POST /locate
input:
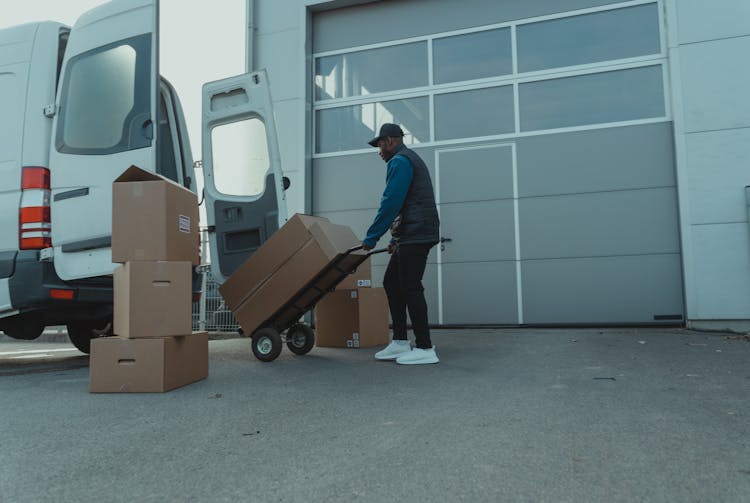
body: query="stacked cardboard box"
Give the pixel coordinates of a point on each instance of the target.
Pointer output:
(354, 315)
(155, 238)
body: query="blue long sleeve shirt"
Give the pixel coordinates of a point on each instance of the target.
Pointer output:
(398, 178)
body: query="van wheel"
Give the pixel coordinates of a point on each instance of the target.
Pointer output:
(23, 329)
(80, 333)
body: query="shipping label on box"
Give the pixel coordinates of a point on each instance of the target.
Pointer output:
(184, 223)
(360, 278)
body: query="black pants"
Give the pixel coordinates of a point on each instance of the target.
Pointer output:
(403, 285)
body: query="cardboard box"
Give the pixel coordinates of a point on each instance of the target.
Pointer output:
(153, 299)
(352, 319)
(276, 251)
(120, 365)
(361, 278)
(153, 218)
(288, 273)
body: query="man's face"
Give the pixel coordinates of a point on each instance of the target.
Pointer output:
(386, 147)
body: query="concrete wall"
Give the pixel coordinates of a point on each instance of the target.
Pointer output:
(708, 47)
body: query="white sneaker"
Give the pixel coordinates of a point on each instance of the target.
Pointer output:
(393, 350)
(418, 356)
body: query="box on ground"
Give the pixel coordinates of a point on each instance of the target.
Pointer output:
(120, 365)
(305, 257)
(153, 299)
(352, 319)
(361, 278)
(153, 218)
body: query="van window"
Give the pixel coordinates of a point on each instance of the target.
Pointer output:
(61, 46)
(105, 105)
(240, 157)
(166, 163)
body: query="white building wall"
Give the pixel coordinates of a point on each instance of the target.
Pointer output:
(281, 45)
(708, 43)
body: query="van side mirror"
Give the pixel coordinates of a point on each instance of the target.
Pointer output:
(285, 182)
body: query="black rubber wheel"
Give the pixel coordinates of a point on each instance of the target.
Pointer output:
(81, 332)
(23, 328)
(266, 344)
(300, 339)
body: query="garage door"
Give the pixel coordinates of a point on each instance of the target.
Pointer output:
(547, 130)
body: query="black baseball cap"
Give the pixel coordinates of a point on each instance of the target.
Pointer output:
(387, 130)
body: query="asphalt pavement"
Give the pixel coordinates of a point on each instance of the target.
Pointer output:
(532, 415)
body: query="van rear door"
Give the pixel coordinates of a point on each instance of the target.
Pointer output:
(105, 122)
(244, 192)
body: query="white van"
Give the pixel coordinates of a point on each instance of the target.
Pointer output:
(77, 107)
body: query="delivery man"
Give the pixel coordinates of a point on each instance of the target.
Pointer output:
(408, 208)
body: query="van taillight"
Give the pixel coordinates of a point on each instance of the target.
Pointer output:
(34, 222)
(35, 178)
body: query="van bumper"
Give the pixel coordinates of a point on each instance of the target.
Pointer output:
(33, 281)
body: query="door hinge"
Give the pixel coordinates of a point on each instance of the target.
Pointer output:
(50, 111)
(46, 255)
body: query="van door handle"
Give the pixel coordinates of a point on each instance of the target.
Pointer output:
(443, 241)
(148, 129)
(70, 194)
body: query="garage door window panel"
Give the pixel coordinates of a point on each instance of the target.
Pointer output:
(472, 56)
(589, 38)
(371, 71)
(351, 127)
(622, 95)
(478, 112)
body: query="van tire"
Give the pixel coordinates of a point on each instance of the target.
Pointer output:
(23, 329)
(81, 332)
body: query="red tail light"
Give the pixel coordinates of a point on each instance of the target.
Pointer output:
(34, 218)
(35, 178)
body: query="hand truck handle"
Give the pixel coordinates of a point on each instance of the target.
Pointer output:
(373, 252)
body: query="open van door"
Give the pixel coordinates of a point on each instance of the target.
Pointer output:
(104, 122)
(244, 189)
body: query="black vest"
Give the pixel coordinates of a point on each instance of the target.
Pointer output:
(418, 220)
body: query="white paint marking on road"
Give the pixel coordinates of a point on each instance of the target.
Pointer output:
(32, 351)
(30, 357)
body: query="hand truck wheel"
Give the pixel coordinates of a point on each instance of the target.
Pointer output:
(300, 339)
(266, 344)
